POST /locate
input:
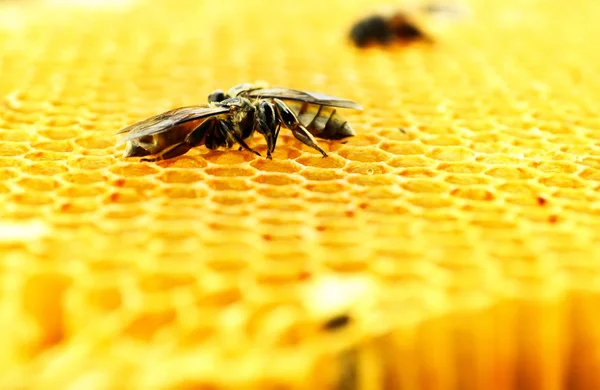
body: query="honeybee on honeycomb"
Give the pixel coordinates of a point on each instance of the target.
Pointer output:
(233, 117)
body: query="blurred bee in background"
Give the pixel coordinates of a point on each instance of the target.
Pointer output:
(393, 24)
(233, 117)
(385, 28)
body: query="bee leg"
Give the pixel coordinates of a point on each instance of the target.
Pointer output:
(240, 141)
(276, 135)
(228, 132)
(291, 122)
(267, 123)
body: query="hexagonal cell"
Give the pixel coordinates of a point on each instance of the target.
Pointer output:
(443, 140)
(317, 174)
(326, 187)
(419, 173)
(180, 176)
(15, 136)
(277, 179)
(430, 201)
(134, 169)
(283, 166)
(474, 193)
(81, 191)
(137, 183)
(468, 180)
(79, 178)
(511, 172)
(94, 144)
(411, 161)
(38, 183)
(231, 183)
(10, 149)
(158, 282)
(451, 153)
(41, 155)
(371, 181)
(332, 161)
(54, 146)
(403, 148)
(32, 198)
(561, 180)
(364, 154)
(590, 174)
(232, 157)
(146, 325)
(92, 162)
(46, 168)
(229, 171)
(58, 133)
(228, 199)
(8, 174)
(426, 186)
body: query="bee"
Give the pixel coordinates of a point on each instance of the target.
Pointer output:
(386, 27)
(232, 117)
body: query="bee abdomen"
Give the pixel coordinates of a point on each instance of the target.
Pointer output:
(324, 122)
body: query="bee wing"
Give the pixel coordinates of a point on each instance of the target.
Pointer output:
(163, 122)
(304, 96)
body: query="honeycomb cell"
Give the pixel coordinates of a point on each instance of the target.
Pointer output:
(93, 143)
(430, 201)
(467, 179)
(332, 161)
(229, 172)
(369, 181)
(410, 161)
(80, 178)
(366, 168)
(590, 174)
(54, 146)
(473, 193)
(450, 154)
(145, 326)
(511, 173)
(8, 174)
(180, 176)
(58, 133)
(425, 186)
(363, 154)
(561, 180)
(38, 183)
(325, 187)
(274, 179)
(232, 184)
(158, 282)
(321, 174)
(403, 148)
(11, 149)
(133, 170)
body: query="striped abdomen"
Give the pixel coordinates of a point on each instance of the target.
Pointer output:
(321, 121)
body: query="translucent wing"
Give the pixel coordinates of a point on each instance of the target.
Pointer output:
(163, 122)
(304, 96)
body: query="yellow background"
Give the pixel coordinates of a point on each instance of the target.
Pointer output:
(468, 243)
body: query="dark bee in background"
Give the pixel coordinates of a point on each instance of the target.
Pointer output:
(404, 25)
(385, 28)
(233, 117)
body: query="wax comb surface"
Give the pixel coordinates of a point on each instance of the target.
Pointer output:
(463, 249)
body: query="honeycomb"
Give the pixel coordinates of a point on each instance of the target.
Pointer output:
(449, 245)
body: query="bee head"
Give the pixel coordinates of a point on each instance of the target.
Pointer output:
(216, 96)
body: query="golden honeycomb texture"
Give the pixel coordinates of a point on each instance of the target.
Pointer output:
(457, 230)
